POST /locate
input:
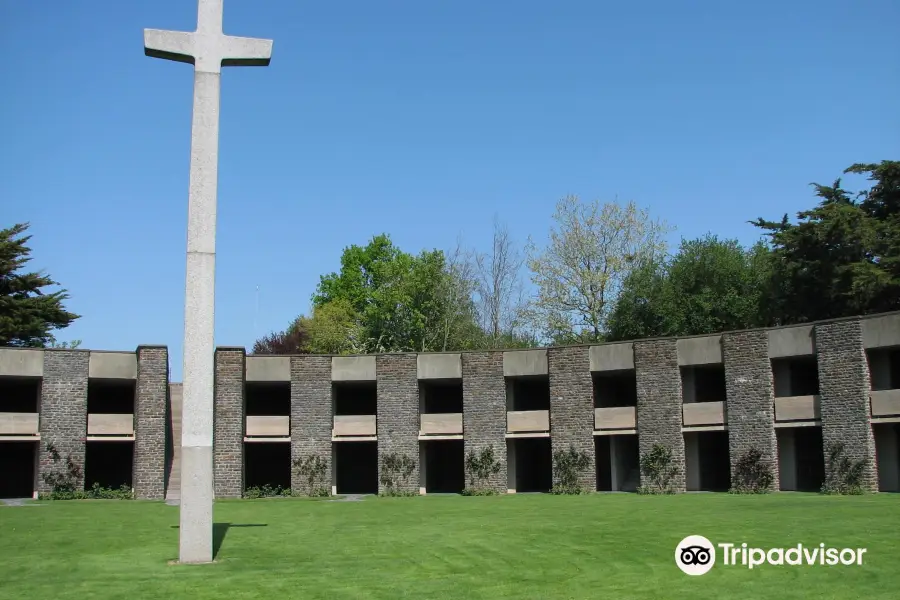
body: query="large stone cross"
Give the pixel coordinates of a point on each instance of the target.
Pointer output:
(208, 49)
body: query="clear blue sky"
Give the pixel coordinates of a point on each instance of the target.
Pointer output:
(420, 119)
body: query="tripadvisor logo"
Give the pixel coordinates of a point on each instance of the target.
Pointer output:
(696, 555)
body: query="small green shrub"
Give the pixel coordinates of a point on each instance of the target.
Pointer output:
(266, 491)
(843, 475)
(395, 472)
(568, 466)
(63, 477)
(480, 466)
(657, 471)
(752, 474)
(96, 492)
(312, 470)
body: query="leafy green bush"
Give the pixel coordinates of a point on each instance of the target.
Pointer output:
(657, 471)
(266, 491)
(63, 477)
(312, 469)
(752, 474)
(480, 466)
(843, 475)
(569, 465)
(97, 492)
(396, 470)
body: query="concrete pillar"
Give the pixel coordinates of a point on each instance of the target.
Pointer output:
(484, 412)
(63, 421)
(613, 465)
(750, 402)
(423, 468)
(398, 411)
(150, 422)
(511, 466)
(228, 441)
(659, 401)
(844, 389)
(311, 415)
(572, 407)
(787, 460)
(887, 449)
(692, 462)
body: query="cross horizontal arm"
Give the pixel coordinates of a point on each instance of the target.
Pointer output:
(170, 45)
(246, 52)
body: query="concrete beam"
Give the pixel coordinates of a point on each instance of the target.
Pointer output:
(706, 350)
(353, 368)
(112, 365)
(612, 357)
(439, 366)
(268, 368)
(791, 341)
(21, 362)
(881, 331)
(521, 363)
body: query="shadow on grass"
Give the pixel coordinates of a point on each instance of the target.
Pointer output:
(220, 530)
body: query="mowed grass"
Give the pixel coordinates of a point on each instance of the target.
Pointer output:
(519, 546)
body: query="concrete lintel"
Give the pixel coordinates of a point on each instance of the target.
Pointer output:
(704, 428)
(353, 368)
(110, 438)
(112, 365)
(535, 434)
(439, 366)
(267, 368)
(705, 350)
(790, 424)
(615, 432)
(522, 363)
(792, 341)
(612, 357)
(425, 438)
(879, 332)
(21, 362)
(257, 440)
(358, 438)
(20, 438)
(873, 420)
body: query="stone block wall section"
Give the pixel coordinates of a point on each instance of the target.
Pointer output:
(572, 407)
(844, 392)
(311, 412)
(398, 412)
(659, 402)
(484, 411)
(228, 435)
(63, 421)
(750, 398)
(150, 422)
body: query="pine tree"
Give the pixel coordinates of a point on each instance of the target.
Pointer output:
(27, 315)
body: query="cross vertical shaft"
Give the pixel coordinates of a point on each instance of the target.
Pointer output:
(208, 49)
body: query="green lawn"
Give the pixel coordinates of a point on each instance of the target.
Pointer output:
(520, 546)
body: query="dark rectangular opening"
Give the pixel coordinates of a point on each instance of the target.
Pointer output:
(356, 467)
(617, 463)
(887, 455)
(703, 383)
(534, 464)
(884, 368)
(110, 396)
(267, 464)
(444, 466)
(707, 463)
(441, 396)
(270, 398)
(528, 393)
(20, 394)
(615, 389)
(810, 455)
(795, 376)
(355, 398)
(108, 464)
(18, 477)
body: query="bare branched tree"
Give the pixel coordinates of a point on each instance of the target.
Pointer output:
(498, 285)
(592, 248)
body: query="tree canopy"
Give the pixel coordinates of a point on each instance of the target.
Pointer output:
(28, 314)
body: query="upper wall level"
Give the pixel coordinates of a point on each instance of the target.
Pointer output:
(28, 362)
